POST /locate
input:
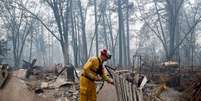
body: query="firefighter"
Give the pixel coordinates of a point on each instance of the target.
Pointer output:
(93, 70)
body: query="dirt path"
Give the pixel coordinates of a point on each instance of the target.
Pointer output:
(16, 90)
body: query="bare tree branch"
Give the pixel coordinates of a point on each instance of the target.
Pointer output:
(39, 19)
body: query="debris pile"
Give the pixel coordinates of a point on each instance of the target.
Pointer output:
(152, 93)
(192, 93)
(55, 87)
(39, 85)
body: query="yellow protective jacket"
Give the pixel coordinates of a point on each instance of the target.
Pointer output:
(89, 73)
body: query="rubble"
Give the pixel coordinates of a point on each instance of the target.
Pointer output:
(41, 85)
(193, 91)
(49, 86)
(20, 73)
(59, 89)
(60, 81)
(150, 93)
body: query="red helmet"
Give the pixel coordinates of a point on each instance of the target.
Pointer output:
(104, 52)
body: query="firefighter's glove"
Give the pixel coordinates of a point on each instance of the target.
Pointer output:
(110, 81)
(98, 78)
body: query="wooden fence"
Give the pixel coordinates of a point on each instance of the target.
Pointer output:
(126, 90)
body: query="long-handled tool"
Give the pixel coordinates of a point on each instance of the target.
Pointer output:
(108, 68)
